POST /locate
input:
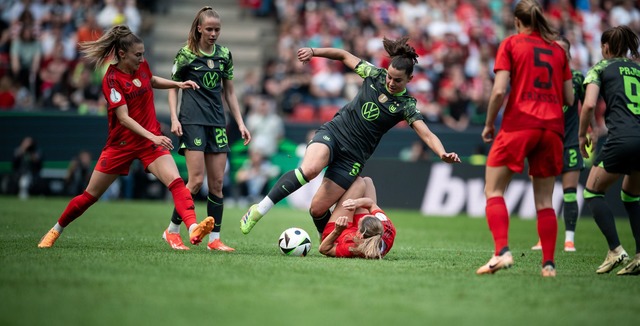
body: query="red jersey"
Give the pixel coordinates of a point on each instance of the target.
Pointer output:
(538, 70)
(134, 91)
(345, 240)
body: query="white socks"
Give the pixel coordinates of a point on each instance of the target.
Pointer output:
(568, 236)
(174, 228)
(213, 236)
(265, 205)
(58, 228)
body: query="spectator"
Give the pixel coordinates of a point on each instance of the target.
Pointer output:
(26, 166)
(254, 176)
(78, 173)
(25, 59)
(266, 127)
(117, 12)
(7, 93)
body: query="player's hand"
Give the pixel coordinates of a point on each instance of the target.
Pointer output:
(246, 135)
(305, 55)
(487, 133)
(349, 204)
(176, 128)
(188, 84)
(341, 223)
(162, 141)
(450, 158)
(584, 142)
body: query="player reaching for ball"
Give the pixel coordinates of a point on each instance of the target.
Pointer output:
(358, 228)
(345, 143)
(134, 131)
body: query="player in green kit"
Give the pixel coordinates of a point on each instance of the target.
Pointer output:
(201, 124)
(617, 79)
(345, 143)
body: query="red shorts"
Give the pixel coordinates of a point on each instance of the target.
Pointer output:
(116, 161)
(542, 148)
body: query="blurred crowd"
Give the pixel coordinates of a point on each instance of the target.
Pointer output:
(39, 62)
(455, 39)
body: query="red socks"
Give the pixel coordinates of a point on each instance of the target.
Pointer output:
(183, 202)
(76, 207)
(498, 220)
(548, 232)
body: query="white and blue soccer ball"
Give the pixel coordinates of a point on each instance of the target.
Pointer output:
(294, 242)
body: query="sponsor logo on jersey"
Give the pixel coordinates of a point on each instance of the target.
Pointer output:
(197, 141)
(137, 82)
(198, 67)
(327, 138)
(115, 96)
(370, 111)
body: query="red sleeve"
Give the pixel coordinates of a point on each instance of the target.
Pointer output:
(503, 56)
(112, 90)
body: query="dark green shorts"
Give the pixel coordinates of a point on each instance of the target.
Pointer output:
(206, 139)
(620, 155)
(343, 168)
(573, 160)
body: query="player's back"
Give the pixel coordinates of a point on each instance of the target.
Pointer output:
(537, 70)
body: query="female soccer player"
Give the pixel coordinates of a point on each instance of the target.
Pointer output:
(537, 71)
(358, 228)
(617, 79)
(573, 162)
(345, 143)
(134, 131)
(201, 123)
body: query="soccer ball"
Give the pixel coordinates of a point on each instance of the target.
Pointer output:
(294, 242)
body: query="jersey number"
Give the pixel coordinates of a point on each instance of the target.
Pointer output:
(632, 90)
(538, 62)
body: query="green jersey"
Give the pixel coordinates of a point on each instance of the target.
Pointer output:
(203, 106)
(619, 81)
(571, 117)
(359, 125)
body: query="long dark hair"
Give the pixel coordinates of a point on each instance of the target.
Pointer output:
(403, 56)
(621, 39)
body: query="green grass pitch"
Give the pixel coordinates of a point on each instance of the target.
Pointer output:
(111, 267)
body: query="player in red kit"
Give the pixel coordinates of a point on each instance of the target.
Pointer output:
(134, 131)
(538, 73)
(358, 228)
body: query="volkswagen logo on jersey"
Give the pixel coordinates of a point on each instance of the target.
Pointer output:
(370, 111)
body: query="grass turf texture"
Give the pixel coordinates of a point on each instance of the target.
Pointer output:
(111, 267)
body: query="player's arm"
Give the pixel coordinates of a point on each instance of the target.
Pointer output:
(587, 116)
(433, 142)
(567, 92)
(328, 245)
(348, 59)
(122, 112)
(498, 93)
(163, 83)
(234, 108)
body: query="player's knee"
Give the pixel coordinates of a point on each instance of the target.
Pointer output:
(194, 186)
